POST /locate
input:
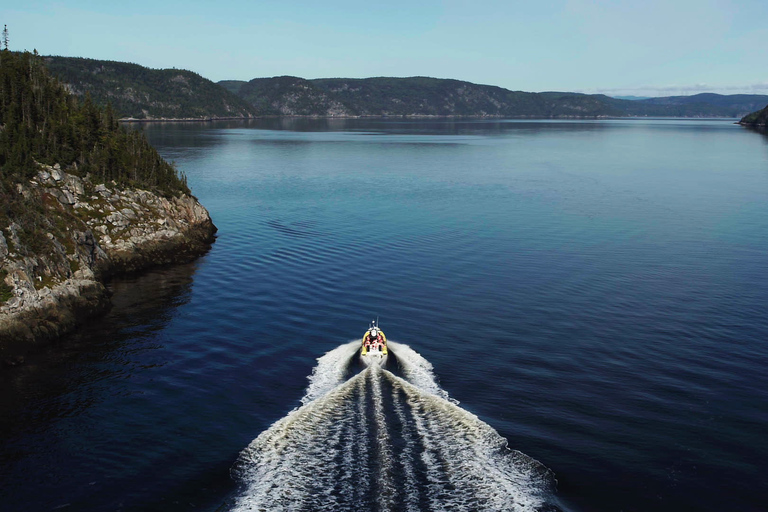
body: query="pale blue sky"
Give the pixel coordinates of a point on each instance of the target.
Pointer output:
(650, 47)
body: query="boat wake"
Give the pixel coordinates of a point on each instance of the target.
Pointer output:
(377, 441)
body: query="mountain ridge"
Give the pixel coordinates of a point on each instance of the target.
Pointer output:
(426, 96)
(140, 93)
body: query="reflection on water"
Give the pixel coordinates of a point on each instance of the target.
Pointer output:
(142, 304)
(182, 131)
(66, 383)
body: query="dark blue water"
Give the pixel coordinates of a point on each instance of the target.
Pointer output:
(594, 292)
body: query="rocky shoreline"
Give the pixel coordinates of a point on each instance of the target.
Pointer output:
(51, 284)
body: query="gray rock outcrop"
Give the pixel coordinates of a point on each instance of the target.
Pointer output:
(100, 230)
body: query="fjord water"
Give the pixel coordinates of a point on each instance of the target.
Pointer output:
(592, 292)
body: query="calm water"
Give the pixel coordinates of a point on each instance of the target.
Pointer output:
(593, 292)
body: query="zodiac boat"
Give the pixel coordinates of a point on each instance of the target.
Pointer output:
(374, 342)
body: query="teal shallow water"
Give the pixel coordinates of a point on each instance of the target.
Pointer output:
(594, 291)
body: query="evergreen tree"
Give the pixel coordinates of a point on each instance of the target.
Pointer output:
(41, 122)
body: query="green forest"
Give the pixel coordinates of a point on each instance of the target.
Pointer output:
(142, 93)
(139, 92)
(41, 122)
(420, 96)
(759, 118)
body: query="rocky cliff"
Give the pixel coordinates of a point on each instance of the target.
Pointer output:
(52, 279)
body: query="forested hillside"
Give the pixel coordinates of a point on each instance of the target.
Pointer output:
(423, 96)
(40, 121)
(142, 93)
(432, 96)
(697, 105)
(759, 118)
(415, 96)
(81, 198)
(288, 95)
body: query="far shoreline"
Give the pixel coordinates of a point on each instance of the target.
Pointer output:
(131, 120)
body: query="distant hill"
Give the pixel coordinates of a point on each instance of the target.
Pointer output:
(143, 93)
(415, 96)
(288, 95)
(759, 118)
(699, 105)
(733, 105)
(423, 96)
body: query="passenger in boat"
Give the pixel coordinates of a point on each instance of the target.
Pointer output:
(367, 342)
(374, 339)
(382, 339)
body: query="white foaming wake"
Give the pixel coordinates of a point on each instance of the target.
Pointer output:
(385, 474)
(417, 370)
(292, 465)
(462, 453)
(330, 371)
(379, 442)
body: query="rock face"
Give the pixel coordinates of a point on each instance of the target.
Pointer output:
(54, 282)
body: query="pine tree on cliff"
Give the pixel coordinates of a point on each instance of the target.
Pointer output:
(41, 122)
